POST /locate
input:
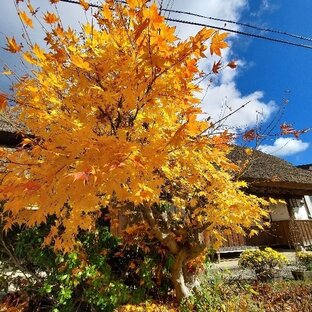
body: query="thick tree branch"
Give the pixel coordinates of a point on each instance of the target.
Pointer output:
(167, 238)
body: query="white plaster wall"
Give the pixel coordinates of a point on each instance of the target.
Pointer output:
(300, 210)
(308, 201)
(279, 212)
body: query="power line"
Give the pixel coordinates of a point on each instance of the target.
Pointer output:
(253, 35)
(241, 33)
(240, 24)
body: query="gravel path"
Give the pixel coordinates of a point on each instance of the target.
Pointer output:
(237, 273)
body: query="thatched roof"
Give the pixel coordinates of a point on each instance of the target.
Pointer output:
(306, 167)
(272, 175)
(9, 131)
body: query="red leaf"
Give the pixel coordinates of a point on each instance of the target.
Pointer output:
(232, 64)
(216, 67)
(287, 129)
(83, 175)
(250, 135)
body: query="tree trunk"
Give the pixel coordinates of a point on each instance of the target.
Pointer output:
(183, 280)
(182, 290)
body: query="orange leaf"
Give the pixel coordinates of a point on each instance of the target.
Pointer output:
(192, 66)
(154, 15)
(25, 19)
(132, 265)
(135, 3)
(217, 43)
(54, 1)
(3, 101)
(84, 4)
(50, 18)
(30, 186)
(140, 28)
(12, 46)
(216, 67)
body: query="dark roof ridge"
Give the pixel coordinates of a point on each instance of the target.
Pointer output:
(260, 166)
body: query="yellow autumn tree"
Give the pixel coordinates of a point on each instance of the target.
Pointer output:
(113, 121)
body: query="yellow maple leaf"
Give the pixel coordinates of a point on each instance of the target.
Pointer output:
(31, 8)
(7, 72)
(248, 151)
(39, 52)
(94, 101)
(25, 19)
(218, 43)
(27, 56)
(273, 201)
(79, 62)
(12, 46)
(253, 232)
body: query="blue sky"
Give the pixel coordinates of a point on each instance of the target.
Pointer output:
(267, 73)
(281, 71)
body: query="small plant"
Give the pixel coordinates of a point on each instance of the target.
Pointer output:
(304, 259)
(265, 263)
(217, 292)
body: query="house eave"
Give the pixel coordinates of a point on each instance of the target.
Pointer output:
(279, 187)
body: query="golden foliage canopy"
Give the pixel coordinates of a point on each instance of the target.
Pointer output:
(114, 117)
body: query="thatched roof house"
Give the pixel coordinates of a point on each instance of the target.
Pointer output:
(269, 175)
(9, 130)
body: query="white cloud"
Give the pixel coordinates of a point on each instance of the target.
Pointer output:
(284, 147)
(230, 9)
(223, 99)
(223, 90)
(223, 96)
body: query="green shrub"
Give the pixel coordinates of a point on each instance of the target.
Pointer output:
(218, 293)
(304, 259)
(101, 276)
(265, 263)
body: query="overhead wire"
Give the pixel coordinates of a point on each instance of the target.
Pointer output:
(242, 33)
(239, 32)
(240, 24)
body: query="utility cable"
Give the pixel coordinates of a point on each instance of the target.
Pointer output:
(241, 33)
(253, 35)
(240, 24)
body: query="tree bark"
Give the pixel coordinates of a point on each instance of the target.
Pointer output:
(183, 280)
(177, 276)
